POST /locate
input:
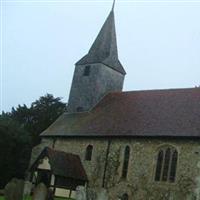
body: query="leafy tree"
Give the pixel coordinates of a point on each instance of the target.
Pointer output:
(19, 132)
(15, 147)
(39, 116)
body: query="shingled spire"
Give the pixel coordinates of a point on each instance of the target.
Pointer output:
(104, 48)
(99, 72)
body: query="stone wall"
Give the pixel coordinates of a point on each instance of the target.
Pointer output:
(139, 184)
(95, 167)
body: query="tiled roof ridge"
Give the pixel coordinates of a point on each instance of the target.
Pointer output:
(130, 92)
(161, 112)
(156, 90)
(59, 151)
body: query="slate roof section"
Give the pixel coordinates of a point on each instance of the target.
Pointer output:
(63, 164)
(153, 113)
(104, 48)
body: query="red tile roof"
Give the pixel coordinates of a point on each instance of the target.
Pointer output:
(63, 164)
(173, 113)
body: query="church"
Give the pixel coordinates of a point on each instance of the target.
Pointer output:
(138, 145)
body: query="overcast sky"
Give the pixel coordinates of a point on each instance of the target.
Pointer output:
(158, 44)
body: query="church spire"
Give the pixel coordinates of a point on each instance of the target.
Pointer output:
(113, 6)
(99, 72)
(104, 48)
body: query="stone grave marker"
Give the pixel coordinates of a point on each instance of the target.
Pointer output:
(14, 190)
(40, 192)
(102, 194)
(27, 189)
(81, 193)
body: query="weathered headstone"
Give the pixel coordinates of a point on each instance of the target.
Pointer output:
(27, 188)
(2, 192)
(14, 190)
(91, 194)
(96, 194)
(80, 193)
(40, 192)
(102, 194)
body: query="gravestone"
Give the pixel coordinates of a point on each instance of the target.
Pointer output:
(14, 190)
(97, 194)
(91, 194)
(40, 192)
(102, 194)
(1, 192)
(80, 193)
(27, 189)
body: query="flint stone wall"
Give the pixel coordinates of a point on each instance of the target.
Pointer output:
(140, 182)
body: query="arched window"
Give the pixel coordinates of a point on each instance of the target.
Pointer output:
(88, 153)
(166, 164)
(124, 196)
(173, 166)
(87, 70)
(126, 161)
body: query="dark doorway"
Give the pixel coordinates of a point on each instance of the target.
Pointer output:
(44, 176)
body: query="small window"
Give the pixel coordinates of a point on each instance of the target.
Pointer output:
(87, 70)
(166, 164)
(79, 109)
(88, 153)
(126, 161)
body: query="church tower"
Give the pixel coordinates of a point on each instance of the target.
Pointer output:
(98, 72)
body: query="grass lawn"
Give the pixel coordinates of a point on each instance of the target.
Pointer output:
(2, 198)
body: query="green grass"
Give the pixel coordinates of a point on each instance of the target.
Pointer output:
(2, 198)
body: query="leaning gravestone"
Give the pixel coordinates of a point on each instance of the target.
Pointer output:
(14, 190)
(80, 193)
(40, 192)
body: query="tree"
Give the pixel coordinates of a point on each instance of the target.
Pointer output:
(15, 148)
(39, 116)
(19, 132)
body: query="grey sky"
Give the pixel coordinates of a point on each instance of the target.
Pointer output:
(158, 44)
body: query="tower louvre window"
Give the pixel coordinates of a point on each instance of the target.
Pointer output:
(88, 153)
(166, 164)
(126, 161)
(87, 70)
